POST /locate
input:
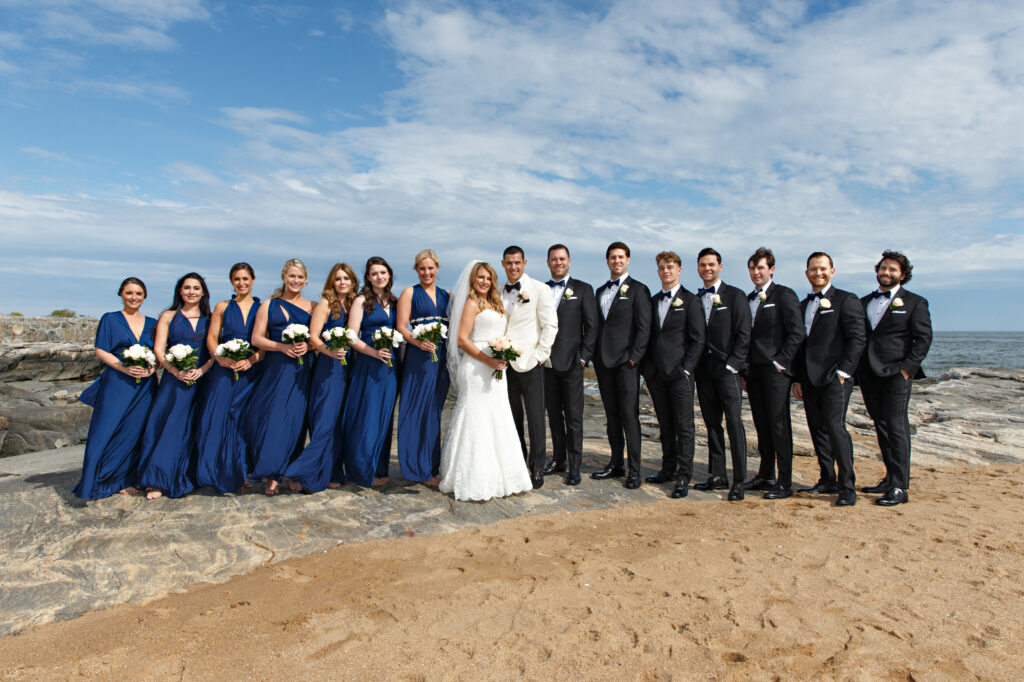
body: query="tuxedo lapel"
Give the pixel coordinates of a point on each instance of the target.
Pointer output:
(618, 296)
(760, 303)
(817, 313)
(887, 313)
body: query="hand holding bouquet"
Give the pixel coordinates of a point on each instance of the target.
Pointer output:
(182, 357)
(432, 332)
(386, 338)
(503, 348)
(295, 334)
(138, 356)
(236, 350)
(339, 338)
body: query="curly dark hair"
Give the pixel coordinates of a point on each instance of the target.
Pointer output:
(905, 267)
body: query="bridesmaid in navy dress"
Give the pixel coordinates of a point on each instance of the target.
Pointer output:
(424, 382)
(318, 465)
(275, 423)
(373, 386)
(120, 398)
(168, 448)
(221, 449)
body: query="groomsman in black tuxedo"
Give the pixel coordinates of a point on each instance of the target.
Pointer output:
(624, 326)
(834, 323)
(719, 390)
(899, 332)
(776, 332)
(563, 371)
(677, 340)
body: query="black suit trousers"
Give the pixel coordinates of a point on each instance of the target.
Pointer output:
(563, 397)
(720, 393)
(826, 418)
(620, 393)
(673, 405)
(526, 389)
(768, 392)
(888, 401)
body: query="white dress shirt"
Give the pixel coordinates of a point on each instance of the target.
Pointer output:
(609, 294)
(559, 289)
(664, 304)
(511, 298)
(876, 309)
(812, 307)
(757, 301)
(707, 300)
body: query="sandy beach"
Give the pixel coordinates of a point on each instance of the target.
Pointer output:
(671, 590)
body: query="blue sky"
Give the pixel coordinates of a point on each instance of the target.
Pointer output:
(153, 137)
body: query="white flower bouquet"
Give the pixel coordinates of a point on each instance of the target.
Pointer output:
(505, 349)
(138, 356)
(338, 338)
(385, 337)
(235, 349)
(295, 334)
(182, 357)
(433, 332)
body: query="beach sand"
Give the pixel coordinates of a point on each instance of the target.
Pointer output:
(677, 589)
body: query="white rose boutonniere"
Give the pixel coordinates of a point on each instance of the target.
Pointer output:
(716, 300)
(623, 290)
(825, 304)
(523, 296)
(761, 296)
(567, 294)
(676, 303)
(896, 303)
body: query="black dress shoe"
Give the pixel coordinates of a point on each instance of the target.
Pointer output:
(660, 477)
(608, 472)
(682, 489)
(736, 493)
(883, 486)
(777, 492)
(538, 482)
(553, 467)
(819, 488)
(633, 482)
(573, 478)
(846, 499)
(713, 483)
(892, 497)
(758, 483)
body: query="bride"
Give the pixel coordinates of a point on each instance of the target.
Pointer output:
(480, 457)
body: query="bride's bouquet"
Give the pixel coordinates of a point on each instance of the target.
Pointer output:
(505, 349)
(385, 337)
(235, 349)
(432, 332)
(337, 338)
(295, 334)
(182, 357)
(138, 356)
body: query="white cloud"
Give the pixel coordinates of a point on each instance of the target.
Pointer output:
(46, 154)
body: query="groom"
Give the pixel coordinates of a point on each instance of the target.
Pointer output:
(532, 325)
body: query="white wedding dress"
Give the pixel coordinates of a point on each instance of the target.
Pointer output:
(481, 457)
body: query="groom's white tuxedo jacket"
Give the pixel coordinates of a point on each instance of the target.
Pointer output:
(533, 324)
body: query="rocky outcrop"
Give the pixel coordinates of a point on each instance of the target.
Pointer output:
(17, 329)
(60, 361)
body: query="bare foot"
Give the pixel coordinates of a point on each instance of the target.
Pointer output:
(246, 486)
(130, 490)
(381, 481)
(294, 486)
(333, 484)
(433, 483)
(153, 493)
(271, 489)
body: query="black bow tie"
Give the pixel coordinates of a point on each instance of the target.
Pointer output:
(881, 294)
(509, 288)
(552, 283)
(753, 294)
(612, 283)
(815, 294)
(709, 290)
(663, 294)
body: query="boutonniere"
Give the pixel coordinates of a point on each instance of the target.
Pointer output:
(896, 303)
(623, 290)
(761, 296)
(676, 303)
(523, 296)
(567, 294)
(825, 304)
(716, 300)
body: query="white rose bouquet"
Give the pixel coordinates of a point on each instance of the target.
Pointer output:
(182, 357)
(433, 332)
(235, 349)
(340, 338)
(385, 337)
(138, 356)
(295, 334)
(505, 349)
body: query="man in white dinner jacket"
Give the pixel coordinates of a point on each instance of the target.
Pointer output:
(532, 325)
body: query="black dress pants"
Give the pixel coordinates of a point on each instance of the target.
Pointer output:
(720, 393)
(888, 401)
(673, 405)
(620, 393)
(826, 418)
(526, 389)
(563, 397)
(768, 392)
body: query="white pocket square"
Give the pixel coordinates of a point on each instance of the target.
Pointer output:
(899, 312)
(826, 312)
(769, 305)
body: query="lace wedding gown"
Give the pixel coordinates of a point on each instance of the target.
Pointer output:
(481, 457)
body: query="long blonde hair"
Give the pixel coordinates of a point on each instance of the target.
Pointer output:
(493, 297)
(293, 263)
(331, 295)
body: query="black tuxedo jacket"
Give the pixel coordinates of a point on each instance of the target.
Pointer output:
(623, 336)
(778, 328)
(727, 334)
(836, 340)
(676, 345)
(577, 326)
(901, 339)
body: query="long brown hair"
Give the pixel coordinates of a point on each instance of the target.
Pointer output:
(293, 263)
(493, 296)
(371, 299)
(331, 296)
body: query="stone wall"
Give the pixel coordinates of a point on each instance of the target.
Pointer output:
(80, 330)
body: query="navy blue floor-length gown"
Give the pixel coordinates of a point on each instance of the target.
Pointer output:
(424, 390)
(120, 406)
(318, 464)
(221, 461)
(168, 445)
(275, 423)
(367, 418)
